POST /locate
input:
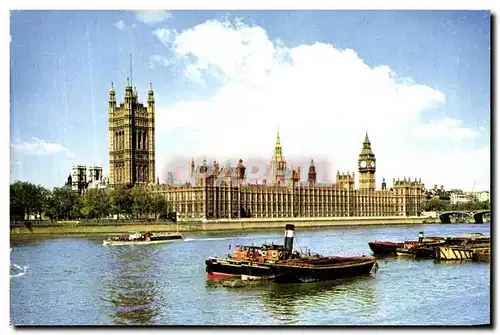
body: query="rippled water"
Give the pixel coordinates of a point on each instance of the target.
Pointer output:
(78, 281)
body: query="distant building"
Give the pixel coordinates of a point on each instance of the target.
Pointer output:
(83, 178)
(437, 193)
(79, 179)
(170, 178)
(461, 197)
(481, 195)
(95, 177)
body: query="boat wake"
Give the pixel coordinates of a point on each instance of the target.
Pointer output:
(22, 269)
(207, 239)
(226, 238)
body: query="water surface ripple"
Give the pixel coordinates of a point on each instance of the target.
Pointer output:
(78, 281)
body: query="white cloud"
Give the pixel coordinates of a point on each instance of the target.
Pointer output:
(446, 128)
(165, 35)
(121, 24)
(157, 59)
(322, 98)
(152, 16)
(40, 147)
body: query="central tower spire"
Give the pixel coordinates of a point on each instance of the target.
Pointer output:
(278, 163)
(278, 152)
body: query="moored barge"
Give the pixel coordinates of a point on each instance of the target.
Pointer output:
(444, 248)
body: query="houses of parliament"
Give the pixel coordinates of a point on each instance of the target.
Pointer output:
(221, 192)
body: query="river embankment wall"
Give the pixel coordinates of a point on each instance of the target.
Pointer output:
(80, 228)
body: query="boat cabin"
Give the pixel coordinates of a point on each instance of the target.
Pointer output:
(264, 253)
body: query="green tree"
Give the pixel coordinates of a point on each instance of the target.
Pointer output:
(434, 204)
(121, 201)
(26, 199)
(62, 204)
(142, 202)
(485, 205)
(160, 206)
(95, 203)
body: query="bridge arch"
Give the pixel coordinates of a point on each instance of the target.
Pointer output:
(445, 217)
(478, 217)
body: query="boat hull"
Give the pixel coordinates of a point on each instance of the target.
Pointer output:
(481, 256)
(291, 271)
(424, 252)
(225, 268)
(304, 275)
(384, 248)
(117, 243)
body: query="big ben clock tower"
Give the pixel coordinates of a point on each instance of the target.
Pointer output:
(366, 166)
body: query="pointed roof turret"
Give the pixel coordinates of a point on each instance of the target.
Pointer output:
(367, 140)
(278, 152)
(367, 150)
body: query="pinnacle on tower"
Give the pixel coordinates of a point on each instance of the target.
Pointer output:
(278, 152)
(367, 141)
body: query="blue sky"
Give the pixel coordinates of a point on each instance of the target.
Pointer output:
(418, 82)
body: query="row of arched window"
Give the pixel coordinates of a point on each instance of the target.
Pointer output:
(141, 173)
(140, 140)
(120, 173)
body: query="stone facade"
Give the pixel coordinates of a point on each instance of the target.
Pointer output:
(131, 139)
(221, 193)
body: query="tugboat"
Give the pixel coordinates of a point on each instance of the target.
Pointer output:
(143, 238)
(280, 263)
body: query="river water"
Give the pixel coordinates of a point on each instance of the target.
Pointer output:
(78, 281)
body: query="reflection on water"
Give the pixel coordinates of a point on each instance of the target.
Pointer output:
(130, 285)
(285, 301)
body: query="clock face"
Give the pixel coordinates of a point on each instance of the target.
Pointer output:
(362, 164)
(373, 164)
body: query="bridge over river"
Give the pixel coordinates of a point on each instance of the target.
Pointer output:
(478, 216)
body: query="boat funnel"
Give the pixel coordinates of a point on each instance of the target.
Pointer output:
(289, 232)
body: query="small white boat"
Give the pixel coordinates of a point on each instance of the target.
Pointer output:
(143, 238)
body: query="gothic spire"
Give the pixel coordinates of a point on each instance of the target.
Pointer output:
(278, 152)
(366, 141)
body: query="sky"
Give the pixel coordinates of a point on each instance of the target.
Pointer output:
(417, 81)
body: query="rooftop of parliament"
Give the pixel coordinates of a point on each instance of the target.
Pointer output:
(221, 192)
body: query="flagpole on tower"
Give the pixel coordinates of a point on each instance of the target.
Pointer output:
(131, 83)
